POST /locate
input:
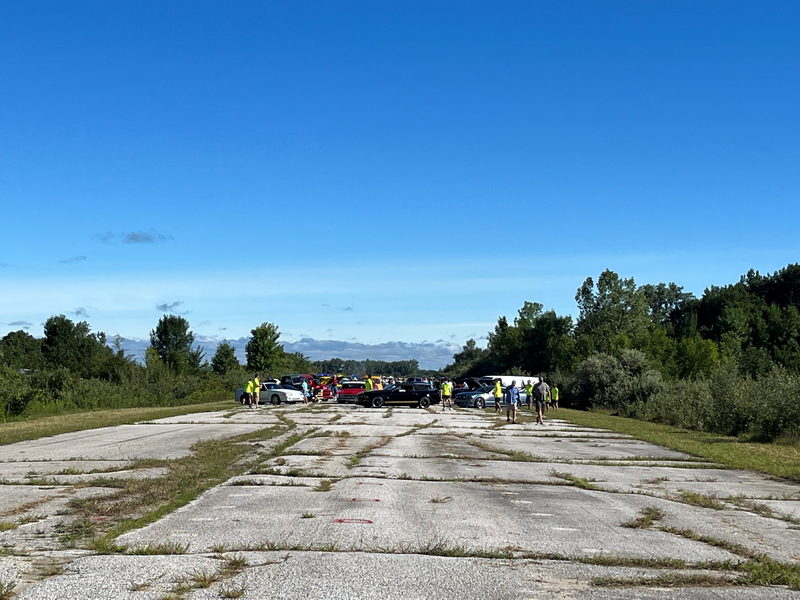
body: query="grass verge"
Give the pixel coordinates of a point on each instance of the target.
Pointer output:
(773, 459)
(19, 431)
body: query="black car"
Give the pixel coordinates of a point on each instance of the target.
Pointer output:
(404, 394)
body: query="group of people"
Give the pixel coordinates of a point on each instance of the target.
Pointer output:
(251, 389)
(539, 393)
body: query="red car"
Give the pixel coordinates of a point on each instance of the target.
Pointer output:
(348, 391)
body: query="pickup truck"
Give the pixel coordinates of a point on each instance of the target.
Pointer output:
(411, 394)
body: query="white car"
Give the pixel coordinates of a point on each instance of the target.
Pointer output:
(274, 393)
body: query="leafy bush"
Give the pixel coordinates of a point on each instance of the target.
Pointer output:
(605, 381)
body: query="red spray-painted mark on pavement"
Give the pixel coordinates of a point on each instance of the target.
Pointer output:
(366, 499)
(361, 521)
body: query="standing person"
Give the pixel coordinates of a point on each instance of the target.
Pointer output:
(304, 386)
(554, 397)
(256, 390)
(541, 391)
(512, 399)
(248, 393)
(529, 393)
(368, 383)
(447, 394)
(334, 388)
(498, 394)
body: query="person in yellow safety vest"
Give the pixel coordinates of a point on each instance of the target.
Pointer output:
(529, 393)
(248, 392)
(447, 394)
(554, 397)
(256, 390)
(498, 395)
(368, 384)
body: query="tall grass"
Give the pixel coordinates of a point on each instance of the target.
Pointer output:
(49, 393)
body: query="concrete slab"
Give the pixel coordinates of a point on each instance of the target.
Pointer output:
(124, 442)
(261, 416)
(365, 430)
(427, 490)
(346, 576)
(310, 465)
(424, 446)
(19, 499)
(24, 470)
(784, 507)
(335, 445)
(397, 515)
(577, 448)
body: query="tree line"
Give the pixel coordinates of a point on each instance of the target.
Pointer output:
(727, 362)
(73, 368)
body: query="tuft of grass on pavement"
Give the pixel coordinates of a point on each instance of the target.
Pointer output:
(780, 460)
(647, 516)
(698, 499)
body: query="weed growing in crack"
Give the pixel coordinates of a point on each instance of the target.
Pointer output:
(701, 500)
(162, 548)
(232, 592)
(323, 486)
(647, 516)
(665, 580)
(580, 482)
(7, 589)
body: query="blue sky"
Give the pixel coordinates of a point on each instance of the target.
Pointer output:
(386, 171)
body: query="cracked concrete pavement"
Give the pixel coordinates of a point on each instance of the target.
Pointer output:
(416, 504)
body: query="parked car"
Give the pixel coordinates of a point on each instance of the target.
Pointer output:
(277, 393)
(349, 390)
(411, 394)
(274, 393)
(297, 380)
(483, 397)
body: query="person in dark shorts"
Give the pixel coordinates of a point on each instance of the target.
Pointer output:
(541, 391)
(498, 395)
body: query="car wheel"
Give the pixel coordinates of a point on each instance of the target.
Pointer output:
(275, 399)
(377, 402)
(479, 403)
(424, 402)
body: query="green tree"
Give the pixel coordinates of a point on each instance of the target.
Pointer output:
(172, 341)
(224, 359)
(74, 347)
(264, 353)
(20, 350)
(614, 314)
